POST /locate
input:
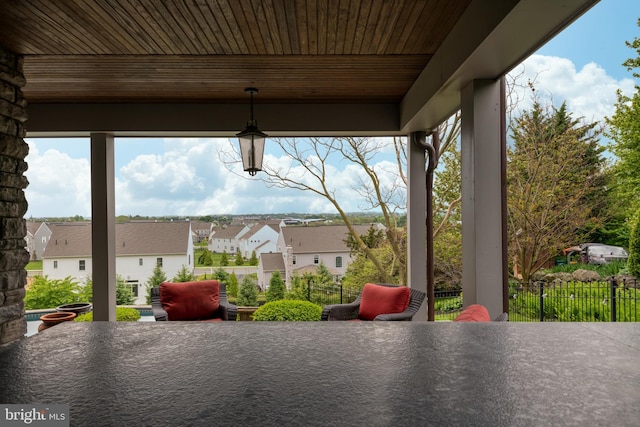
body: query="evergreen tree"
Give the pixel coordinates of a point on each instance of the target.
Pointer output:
(205, 258)
(298, 289)
(232, 285)
(277, 288)
(239, 260)
(184, 275)
(254, 259)
(156, 278)
(555, 176)
(248, 293)
(224, 259)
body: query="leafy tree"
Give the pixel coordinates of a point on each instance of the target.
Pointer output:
(554, 184)
(277, 287)
(232, 285)
(184, 275)
(224, 259)
(156, 278)
(254, 258)
(248, 292)
(239, 260)
(624, 130)
(633, 262)
(50, 293)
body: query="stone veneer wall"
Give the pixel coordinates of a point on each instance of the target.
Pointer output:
(13, 204)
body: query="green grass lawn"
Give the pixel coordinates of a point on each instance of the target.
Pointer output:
(34, 265)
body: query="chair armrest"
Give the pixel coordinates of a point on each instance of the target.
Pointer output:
(156, 305)
(406, 315)
(504, 317)
(340, 311)
(228, 311)
(159, 313)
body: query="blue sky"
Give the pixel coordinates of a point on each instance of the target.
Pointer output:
(582, 66)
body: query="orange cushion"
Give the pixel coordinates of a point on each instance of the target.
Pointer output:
(190, 300)
(378, 299)
(474, 313)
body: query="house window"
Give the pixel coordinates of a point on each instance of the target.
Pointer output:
(81, 265)
(55, 264)
(140, 262)
(159, 262)
(338, 261)
(316, 259)
(295, 261)
(133, 284)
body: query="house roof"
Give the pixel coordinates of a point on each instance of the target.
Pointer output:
(272, 262)
(320, 238)
(228, 232)
(339, 66)
(132, 238)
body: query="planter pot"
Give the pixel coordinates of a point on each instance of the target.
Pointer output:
(246, 313)
(78, 308)
(52, 319)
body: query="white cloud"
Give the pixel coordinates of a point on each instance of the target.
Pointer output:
(589, 92)
(59, 185)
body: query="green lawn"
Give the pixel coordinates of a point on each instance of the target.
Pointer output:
(34, 265)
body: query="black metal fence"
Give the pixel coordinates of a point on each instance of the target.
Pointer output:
(569, 301)
(574, 301)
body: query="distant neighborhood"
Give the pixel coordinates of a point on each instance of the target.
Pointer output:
(287, 246)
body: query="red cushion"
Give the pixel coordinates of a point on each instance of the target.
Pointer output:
(378, 299)
(190, 300)
(474, 313)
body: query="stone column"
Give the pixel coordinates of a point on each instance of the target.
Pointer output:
(13, 205)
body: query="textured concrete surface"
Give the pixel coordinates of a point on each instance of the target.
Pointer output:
(330, 373)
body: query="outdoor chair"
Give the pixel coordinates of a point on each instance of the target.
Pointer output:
(204, 300)
(479, 313)
(378, 302)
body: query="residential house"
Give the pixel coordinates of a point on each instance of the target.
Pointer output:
(303, 249)
(38, 235)
(261, 238)
(269, 263)
(227, 238)
(201, 231)
(140, 246)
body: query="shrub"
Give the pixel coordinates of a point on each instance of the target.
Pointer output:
(123, 314)
(50, 293)
(288, 310)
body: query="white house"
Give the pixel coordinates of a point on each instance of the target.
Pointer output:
(140, 246)
(226, 238)
(303, 249)
(261, 238)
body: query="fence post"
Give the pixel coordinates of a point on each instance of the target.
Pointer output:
(614, 285)
(340, 293)
(541, 290)
(308, 289)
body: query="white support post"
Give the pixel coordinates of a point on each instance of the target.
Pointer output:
(483, 196)
(103, 227)
(416, 220)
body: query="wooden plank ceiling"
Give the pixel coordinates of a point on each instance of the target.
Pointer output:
(331, 51)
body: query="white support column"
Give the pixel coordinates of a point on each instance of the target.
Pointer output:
(103, 226)
(483, 202)
(416, 220)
